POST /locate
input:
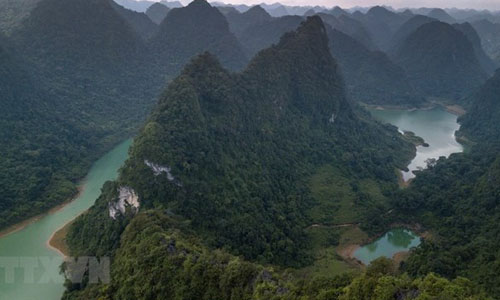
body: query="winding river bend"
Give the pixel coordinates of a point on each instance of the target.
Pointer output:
(436, 126)
(29, 269)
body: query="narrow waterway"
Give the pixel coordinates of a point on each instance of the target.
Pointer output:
(437, 127)
(29, 270)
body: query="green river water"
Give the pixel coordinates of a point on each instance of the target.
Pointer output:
(29, 270)
(41, 279)
(437, 127)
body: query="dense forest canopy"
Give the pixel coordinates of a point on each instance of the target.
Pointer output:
(440, 61)
(190, 30)
(40, 154)
(458, 198)
(253, 161)
(239, 134)
(83, 75)
(69, 95)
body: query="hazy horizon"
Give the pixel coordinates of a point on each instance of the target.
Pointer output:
(461, 4)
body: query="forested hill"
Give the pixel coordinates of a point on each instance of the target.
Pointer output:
(407, 29)
(382, 23)
(349, 26)
(239, 22)
(440, 61)
(40, 154)
(90, 70)
(485, 61)
(370, 76)
(481, 123)
(232, 155)
(190, 30)
(458, 200)
(90, 60)
(157, 12)
(204, 190)
(140, 22)
(75, 87)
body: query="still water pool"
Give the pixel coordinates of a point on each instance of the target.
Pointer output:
(394, 241)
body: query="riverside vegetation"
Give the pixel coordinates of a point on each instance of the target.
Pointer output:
(248, 179)
(223, 222)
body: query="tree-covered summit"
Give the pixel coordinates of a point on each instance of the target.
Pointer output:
(440, 61)
(191, 30)
(240, 149)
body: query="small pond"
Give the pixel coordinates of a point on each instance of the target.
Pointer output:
(394, 241)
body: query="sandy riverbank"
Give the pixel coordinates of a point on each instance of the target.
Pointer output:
(57, 240)
(348, 251)
(454, 109)
(347, 254)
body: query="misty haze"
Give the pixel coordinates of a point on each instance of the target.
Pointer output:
(249, 150)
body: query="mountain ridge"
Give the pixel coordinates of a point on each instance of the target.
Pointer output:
(448, 69)
(179, 39)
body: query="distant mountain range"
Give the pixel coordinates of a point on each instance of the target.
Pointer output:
(191, 30)
(121, 58)
(157, 12)
(253, 155)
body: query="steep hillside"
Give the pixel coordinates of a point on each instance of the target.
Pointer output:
(350, 27)
(458, 200)
(337, 11)
(87, 89)
(181, 265)
(277, 10)
(486, 62)
(261, 36)
(217, 147)
(414, 23)
(440, 61)
(441, 15)
(157, 12)
(140, 22)
(191, 30)
(13, 13)
(138, 6)
(204, 193)
(481, 123)
(407, 29)
(382, 24)
(239, 22)
(490, 37)
(371, 77)
(88, 55)
(41, 154)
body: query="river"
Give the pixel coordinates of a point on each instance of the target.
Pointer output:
(29, 270)
(437, 127)
(26, 250)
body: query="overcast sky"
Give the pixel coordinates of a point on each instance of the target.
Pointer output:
(476, 4)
